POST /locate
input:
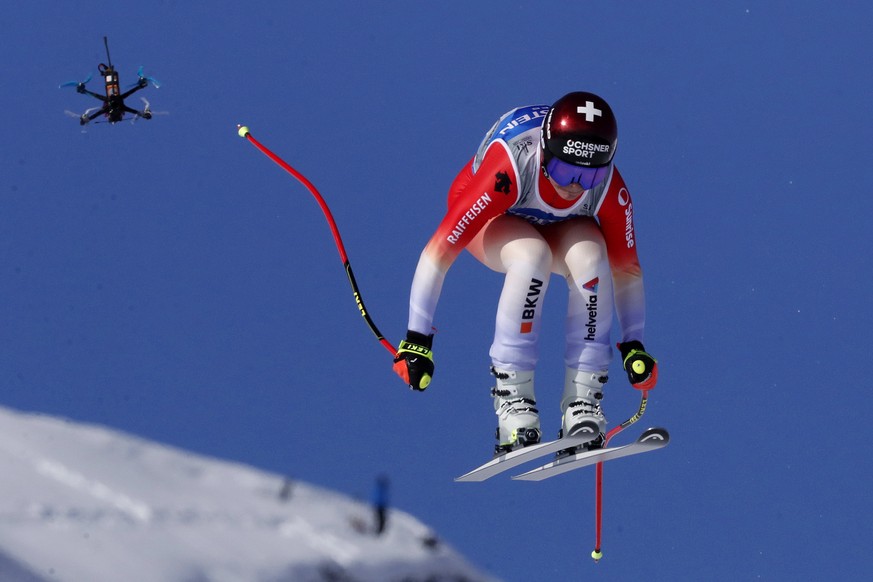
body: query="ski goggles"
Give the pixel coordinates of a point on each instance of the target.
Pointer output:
(565, 174)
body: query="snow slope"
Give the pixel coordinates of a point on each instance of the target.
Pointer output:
(85, 503)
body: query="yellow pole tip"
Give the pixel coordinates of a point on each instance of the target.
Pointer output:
(242, 130)
(596, 555)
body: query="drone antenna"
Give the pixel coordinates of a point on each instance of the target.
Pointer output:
(108, 58)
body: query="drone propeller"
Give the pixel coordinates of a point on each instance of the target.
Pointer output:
(82, 117)
(75, 83)
(151, 80)
(148, 109)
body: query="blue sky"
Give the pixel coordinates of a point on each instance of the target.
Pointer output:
(166, 279)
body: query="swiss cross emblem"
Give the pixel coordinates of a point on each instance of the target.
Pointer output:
(589, 110)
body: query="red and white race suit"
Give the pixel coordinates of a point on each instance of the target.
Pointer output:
(504, 211)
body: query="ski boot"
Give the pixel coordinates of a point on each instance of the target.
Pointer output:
(515, 405)
(580, 406)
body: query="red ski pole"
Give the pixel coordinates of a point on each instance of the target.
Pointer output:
(596, 554)
(244, 132)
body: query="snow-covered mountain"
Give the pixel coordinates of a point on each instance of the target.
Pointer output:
(82, 503)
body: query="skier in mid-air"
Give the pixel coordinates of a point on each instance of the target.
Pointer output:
(541, 196)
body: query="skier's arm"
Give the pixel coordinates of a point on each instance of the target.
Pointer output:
(474, 199)
(617, 224)
(616, 216)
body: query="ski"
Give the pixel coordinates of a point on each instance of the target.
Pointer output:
(515, 458)
(652, 439)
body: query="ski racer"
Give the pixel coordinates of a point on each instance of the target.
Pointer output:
(542, 195)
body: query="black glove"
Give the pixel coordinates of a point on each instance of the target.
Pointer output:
(641, 367)
(414, 360)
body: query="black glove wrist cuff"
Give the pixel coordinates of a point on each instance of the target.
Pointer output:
(628, 347)
(415, 337)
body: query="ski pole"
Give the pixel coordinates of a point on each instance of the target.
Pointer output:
(596, 554)
(244, 132)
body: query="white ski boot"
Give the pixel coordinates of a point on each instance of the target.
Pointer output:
(580, 405)
(515, 405)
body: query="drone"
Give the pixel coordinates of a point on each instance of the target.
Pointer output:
(114, 108)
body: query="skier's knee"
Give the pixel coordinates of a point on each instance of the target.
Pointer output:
(531, 252)
(586, 256)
